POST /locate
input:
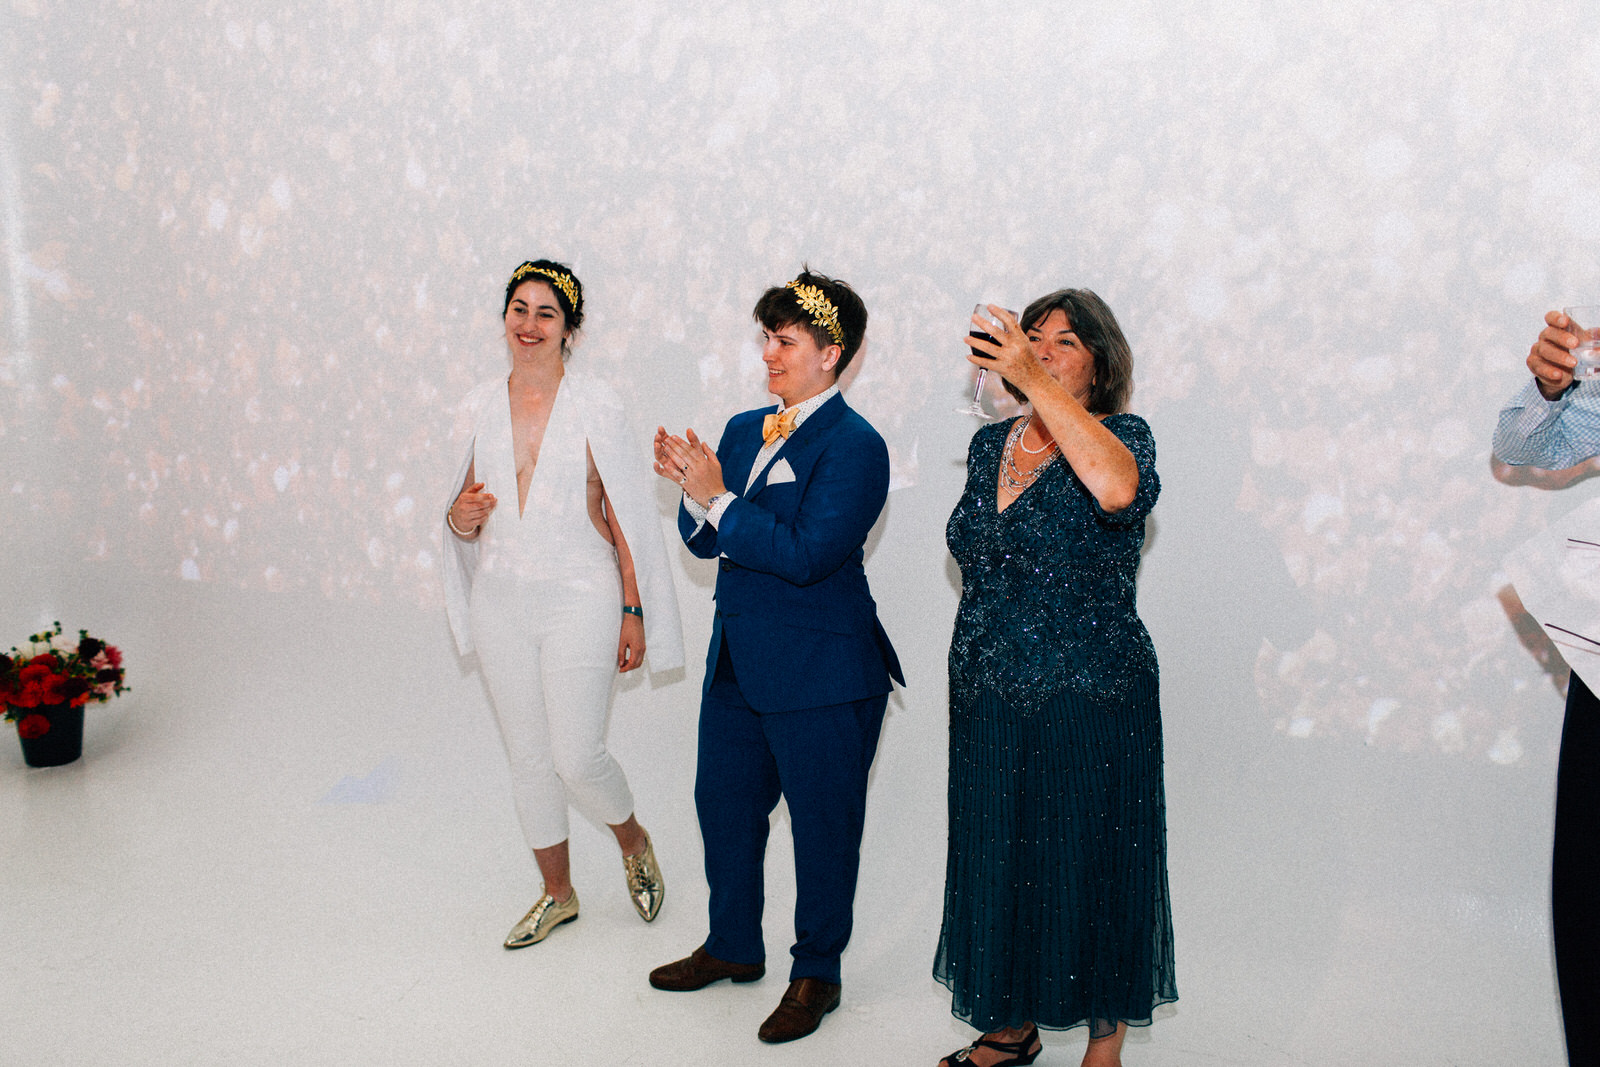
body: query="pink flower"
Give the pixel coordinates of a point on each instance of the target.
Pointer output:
(32, 726)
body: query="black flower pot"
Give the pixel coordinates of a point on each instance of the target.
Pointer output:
(61, 743)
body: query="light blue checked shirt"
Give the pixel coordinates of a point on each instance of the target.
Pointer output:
(1550, 434)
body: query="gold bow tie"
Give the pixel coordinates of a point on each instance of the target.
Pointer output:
(780, 425)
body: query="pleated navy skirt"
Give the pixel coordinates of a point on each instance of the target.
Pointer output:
(1056, 902)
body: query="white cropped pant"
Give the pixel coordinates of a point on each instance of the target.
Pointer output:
(549, 656)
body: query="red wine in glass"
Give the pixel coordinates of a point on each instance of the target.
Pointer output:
(974, 407)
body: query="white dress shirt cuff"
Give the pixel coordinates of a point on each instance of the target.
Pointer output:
(719, 507)
(696, 512)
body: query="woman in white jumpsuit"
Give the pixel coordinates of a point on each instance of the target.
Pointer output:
(557, 588)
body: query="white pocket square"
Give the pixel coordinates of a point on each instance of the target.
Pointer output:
(780, 472)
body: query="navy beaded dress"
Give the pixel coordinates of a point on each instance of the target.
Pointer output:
(1056, 907)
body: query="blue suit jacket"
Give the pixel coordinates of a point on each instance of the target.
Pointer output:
(793, 605)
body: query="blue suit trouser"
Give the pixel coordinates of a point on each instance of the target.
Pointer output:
(817, 759)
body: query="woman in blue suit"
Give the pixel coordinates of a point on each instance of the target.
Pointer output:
(799, 669)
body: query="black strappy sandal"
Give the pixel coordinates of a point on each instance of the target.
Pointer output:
(1017, 1050)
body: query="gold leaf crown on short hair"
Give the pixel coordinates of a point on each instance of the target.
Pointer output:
(564, 282)
(820, 308)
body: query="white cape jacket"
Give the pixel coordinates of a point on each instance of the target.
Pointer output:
(621, 460)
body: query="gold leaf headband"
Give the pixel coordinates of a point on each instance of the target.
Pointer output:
(820, 308)
(563, 281)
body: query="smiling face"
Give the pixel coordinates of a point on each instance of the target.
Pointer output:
(797, 367)
(536, 328)
(1063, 355)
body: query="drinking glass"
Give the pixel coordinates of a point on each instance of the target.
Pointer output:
(1586, 324)
(974, 407)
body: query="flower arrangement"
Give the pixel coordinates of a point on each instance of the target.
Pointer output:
(49, 672)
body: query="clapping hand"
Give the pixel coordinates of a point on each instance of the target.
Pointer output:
(689, 463)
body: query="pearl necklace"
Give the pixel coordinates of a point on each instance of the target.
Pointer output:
(1012, 479)
(1022, 438)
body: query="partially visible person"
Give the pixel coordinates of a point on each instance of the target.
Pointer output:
(799, 670)
(1056, 911)
(559, 589)
(1554, 423)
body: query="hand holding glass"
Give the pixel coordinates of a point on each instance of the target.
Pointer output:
(974, 407)
(1585, 324)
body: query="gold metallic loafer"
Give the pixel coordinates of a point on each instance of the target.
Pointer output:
(645, 887)
(545, 915)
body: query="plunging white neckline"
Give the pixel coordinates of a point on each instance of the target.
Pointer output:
(511, 445)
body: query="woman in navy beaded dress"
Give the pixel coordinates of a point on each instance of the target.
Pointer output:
(1056, 907)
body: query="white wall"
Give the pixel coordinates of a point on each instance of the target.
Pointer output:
(253, 252)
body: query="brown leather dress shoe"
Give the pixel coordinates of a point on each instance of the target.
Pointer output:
(800, 1011)
(699, 969)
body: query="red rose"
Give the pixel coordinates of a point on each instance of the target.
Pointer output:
(33, 726)
(39, 684)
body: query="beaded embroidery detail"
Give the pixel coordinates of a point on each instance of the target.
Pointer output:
(1047, 598)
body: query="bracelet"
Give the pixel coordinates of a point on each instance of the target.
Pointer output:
(633, 609)
(450, 521)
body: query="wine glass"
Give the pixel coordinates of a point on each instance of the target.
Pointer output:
(974, 407)
(1585, 322)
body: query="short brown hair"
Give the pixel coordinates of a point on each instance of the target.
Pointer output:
(780, 307)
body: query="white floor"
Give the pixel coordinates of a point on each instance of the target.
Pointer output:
(293, 843)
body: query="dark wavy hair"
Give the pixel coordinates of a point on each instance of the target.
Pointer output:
(532, 271)
(779, 307)
(1097, 328)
